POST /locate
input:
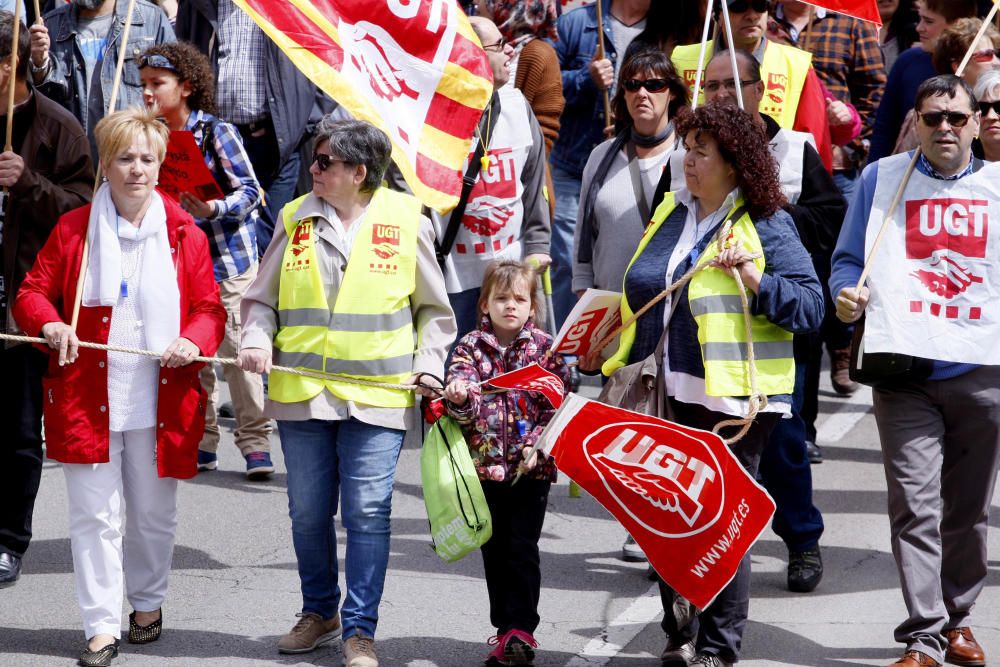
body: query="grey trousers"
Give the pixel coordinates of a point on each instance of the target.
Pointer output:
(940, 443)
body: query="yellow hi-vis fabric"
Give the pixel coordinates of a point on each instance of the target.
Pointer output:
(784, 72)
(714, 300)
(368, 333)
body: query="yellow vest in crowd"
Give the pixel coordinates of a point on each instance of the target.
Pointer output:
(714, 299)
(784, 71)
(369, 331)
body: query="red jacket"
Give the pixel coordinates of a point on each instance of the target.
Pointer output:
(76, 395)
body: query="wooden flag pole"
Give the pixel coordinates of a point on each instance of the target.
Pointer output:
(701, 54)
(85, 260)
(601, 56)
(12, 81)
(38, 13)
(916, 156)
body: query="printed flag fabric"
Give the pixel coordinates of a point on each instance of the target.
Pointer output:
(866, 10)
(532, 378)
(680, 492)
(413, 68)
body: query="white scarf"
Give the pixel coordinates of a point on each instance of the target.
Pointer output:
(158, 294)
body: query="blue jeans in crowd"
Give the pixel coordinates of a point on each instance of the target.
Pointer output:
(786, 474)
(355, 463)
(466, 307)
(567, 187)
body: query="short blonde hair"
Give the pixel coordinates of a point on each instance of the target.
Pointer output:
(115, 133)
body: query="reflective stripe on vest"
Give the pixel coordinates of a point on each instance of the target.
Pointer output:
(715, 303)
(784, 73)
(369, 331)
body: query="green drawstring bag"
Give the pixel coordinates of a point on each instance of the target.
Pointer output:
(456, 505)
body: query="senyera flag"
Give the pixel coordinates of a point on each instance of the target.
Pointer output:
(532, 378)
(413, 68)
(866, 10)
(680, 492)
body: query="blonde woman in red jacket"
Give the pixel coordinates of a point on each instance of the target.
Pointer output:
(126, 427)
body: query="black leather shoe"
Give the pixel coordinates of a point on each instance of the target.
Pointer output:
(676, 654)
(10, 569)
(805, 569)
(814, 452)
(102, 657)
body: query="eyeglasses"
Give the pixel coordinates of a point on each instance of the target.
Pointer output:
(651, 85)
(156, 60)
(955, 118)
(729, 84)
(985, 56)
(740, 6)
(984, 108)
(497, 46)
(323, 161)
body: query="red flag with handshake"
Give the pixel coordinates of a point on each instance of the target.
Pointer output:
(414, 68)
(866, 10)
(678, 491)
(532, 378)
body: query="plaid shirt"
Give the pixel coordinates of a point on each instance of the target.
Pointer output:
(231, 230)
(847, 59)
(241, 91)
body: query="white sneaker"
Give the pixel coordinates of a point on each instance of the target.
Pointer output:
(632, 552)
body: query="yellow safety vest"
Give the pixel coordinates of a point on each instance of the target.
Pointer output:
(714, 300)
(369, 331)
(784, 70)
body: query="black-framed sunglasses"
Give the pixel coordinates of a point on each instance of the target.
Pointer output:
(156, 60)
(323, 161)
(713, 86)
(954, 118)
(984, 107)
(651, 85)
(740, 6)
(496, 46)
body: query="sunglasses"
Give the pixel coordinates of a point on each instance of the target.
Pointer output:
(984, 108)
(729, 84)
(651, 85)
(986, 56)
(954, 118)
(496, 46)
(323, 161)
(740, 6)
(157, 61)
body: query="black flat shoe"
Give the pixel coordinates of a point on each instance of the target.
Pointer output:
(102, 657)
(139, 634)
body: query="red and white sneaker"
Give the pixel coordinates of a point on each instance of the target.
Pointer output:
(496, 656)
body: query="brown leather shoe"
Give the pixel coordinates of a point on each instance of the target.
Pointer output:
(963, 649)
(916, 659)
(840, 372)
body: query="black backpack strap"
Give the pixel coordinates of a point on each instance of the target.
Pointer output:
(486, 124)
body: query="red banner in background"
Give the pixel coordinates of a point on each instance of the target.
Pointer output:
(532, 378)
(866, 10)
(680, 492)
(184, 170)
(413, 68)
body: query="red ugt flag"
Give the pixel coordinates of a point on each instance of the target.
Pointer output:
(678, 491)
(533, 378)
(414, 68)
(866, 10)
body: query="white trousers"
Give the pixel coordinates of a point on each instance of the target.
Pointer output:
(99, 494)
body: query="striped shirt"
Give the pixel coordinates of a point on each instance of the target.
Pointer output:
(231, 230)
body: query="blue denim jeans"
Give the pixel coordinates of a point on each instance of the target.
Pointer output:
(355, 463)
(465, 305)
(567, 187)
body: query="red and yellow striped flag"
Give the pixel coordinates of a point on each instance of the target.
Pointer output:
(414, 68)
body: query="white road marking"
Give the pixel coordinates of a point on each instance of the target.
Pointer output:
(840, 422)
(620, 631)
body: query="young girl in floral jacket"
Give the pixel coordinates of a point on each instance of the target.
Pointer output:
(499, 427)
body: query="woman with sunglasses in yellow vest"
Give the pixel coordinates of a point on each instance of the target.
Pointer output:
(728, 216)
(349, 286)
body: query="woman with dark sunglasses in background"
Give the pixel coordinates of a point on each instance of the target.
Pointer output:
(987, 89)
(178, 80)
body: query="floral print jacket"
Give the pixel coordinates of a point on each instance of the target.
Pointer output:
(498, 426)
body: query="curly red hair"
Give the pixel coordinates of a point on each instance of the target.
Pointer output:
(744, 146)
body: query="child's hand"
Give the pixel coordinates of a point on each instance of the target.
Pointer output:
(457, 392)
(530, 463)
